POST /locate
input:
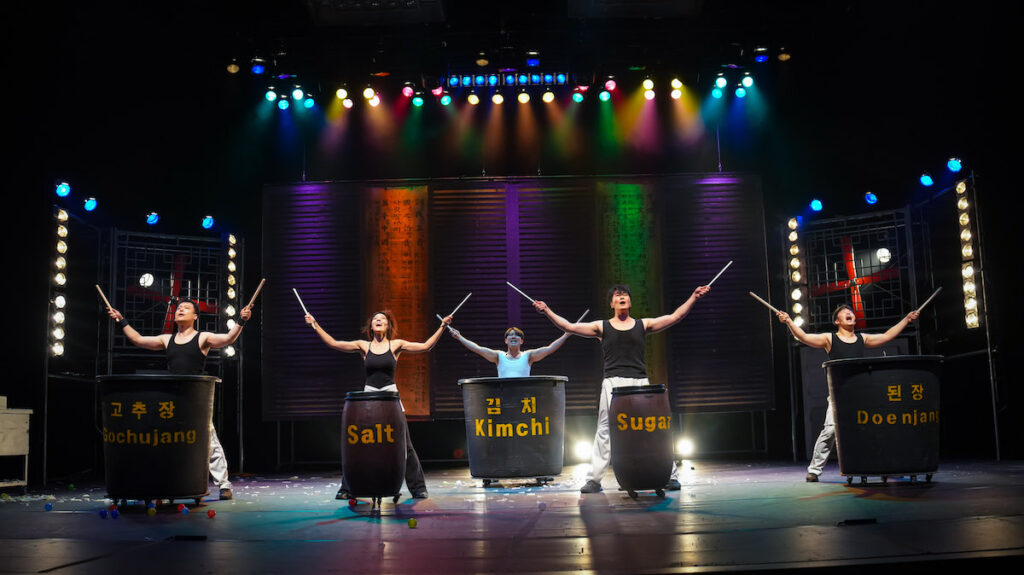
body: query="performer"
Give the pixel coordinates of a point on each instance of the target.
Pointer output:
(186, 355)
(844, 344)
(380, 356)
(514, 362)
(622, 341)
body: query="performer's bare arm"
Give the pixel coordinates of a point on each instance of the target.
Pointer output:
(589, 329)
(219, 340)
(421, 347)
(656, 324)
(150, 342)
(487, 353)
(877, 340)
(542, 352)
(819, 340)
(346, 346)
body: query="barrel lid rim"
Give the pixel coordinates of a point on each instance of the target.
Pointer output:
(360, 395)
(514, 380)
(652, 388)
(883, 359)
(126, 377)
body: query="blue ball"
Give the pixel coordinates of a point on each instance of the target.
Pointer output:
(151, 505)
(48, 507)
(114, 514)
(103, 513)
(184, 510)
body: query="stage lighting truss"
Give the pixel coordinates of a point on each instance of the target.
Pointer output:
(970, 253)
(233, 249)
(796, 270)
(59, 274)
(508, 78)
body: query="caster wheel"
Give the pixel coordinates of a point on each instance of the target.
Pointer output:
(198, 500)
(660, 493)
(849, 480)
(863, 480)
(928, 478)
(632, 494)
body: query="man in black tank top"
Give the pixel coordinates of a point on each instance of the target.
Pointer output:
(843, 344)
(623, 340)
(186, 355)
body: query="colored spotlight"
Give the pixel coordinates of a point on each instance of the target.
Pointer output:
(437, 91)
(146, 280)
(747, 81)
(90, 204)
(676, 94)
(741, 92)
(207, 222)
(577, 97)
(271, 95)
(342, 93)
(298, 94)
(497, 98)
(816, 205)
(510, 79)
(649, 94)
(524, 98)
(446, 100)
(604, 96)
(676, 84)
(152, 218)
(685, 447)
(717, 93)
(560, 79)
(347, 102)
(871, 198)
(258, 68)
(417, 101)
(473, 99)
(308, 103)
(523, 79)
(926, 180)
(884, 255)
(479, 81)
(375, 101)
(453, 81)
(648, 84)
(535, 78)
(954, 165)
(63, 189)
(549, 78)
(721, 82)
(492, 80)
(548, 96)
(368, 93)
(407, 91)
(582, 450)
(282, 104)
(610, 85)
(467, 81)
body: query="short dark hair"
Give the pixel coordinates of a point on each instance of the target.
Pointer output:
(195, 306)
(622, 288)
(840, 308)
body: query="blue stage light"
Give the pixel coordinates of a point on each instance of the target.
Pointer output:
(308, 102)
(479, 81)
(717, 93)
(871, 198)
(446, 100)
(721, 82)
(492, 80)
(577, 97)
(467, 81)
(417, 100)
(298, 94)
(747, 81)
(523, 79)
(954, 165)
(271, 95)
(90, 204)
(605, 95)
(63, 189)
(741, 92)
(258, 69)
(510, 79)
(453, 81)
(207, 222)
(282, 104)
(926, 180)
(816, 205)
(152, 218)
(535, 78)
(549, 78)
(532, 61)
(761, 58)
(560, 79)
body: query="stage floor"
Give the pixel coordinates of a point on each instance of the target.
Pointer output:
(727, 517)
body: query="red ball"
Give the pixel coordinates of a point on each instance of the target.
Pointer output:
(352, 502)
(211, 513)
(113, 507)
(181, 506)
(458, 454)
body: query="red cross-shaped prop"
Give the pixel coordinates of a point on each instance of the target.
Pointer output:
(854, 282)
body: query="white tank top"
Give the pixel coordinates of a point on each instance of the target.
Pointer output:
(519, 367)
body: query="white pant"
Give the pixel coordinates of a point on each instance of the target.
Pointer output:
(602, 440)
(826, 439)
(218, 461)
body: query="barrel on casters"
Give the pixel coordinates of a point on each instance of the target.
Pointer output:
(373, 448)
(641, 438)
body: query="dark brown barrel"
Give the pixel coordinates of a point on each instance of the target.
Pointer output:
(639, 421)
(156, 435)
(514, 425)
(373, 443)
(886, 412)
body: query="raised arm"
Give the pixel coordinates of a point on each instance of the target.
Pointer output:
(219, 340)
(542, 352)
(422, 347)
(153, 342)
(489, 354)
(656, 324)
(819, 340)
(346, 346)
(877, 340)
(589, 329)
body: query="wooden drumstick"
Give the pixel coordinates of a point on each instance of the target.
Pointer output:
(104, 297)
(764, 302)
(300, 301)
(258, 288)
(927, 301)
(719, 273)
(520, 291)
(460, 303)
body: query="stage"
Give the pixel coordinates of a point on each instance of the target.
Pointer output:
(729, 516)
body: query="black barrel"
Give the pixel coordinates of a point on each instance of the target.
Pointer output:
(639, 421)
(156, 435)
(886, 412)
(514, 425)
(373, 443)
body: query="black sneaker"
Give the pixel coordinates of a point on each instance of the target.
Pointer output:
(419, 494)
(225, 494)
(343, 494)
(673, 485)
(590, 486)
(811, 478)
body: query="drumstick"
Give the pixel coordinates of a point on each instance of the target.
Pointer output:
(450, 328)
(719, 273)
(112, 307)
(764, 302)
(300, 301)
(460, 303)
(520, 291)
(258, 288)
(929, 299)
(583, 316)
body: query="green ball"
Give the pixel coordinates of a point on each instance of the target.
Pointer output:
(151, 511)
(412, 523)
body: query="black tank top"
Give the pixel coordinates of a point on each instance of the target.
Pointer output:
(380, 367)
(624, 350)
(842, 350)
(185, 358)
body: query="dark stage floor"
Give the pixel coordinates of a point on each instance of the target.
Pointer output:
(727, 517)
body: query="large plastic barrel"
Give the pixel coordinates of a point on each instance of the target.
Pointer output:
(886, 412)
(514, 425)
(373, 443)
(156, 435)
(639, 425)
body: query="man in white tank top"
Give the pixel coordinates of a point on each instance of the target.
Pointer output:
(514, 362)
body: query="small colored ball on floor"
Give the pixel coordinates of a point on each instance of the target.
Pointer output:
(211, 513)
(48, 507)
(181, 506)
(542, 505)
(112, 507)
(184, 510)
(352, 502)
(103, 513)
(412, 523)
(151, 505)
(114, 514)
(151, 511)
(71, 486)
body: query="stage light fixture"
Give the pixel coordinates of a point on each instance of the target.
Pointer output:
(964, 219)
(760, 54)
(417, 100)
(232, 240)
(549, 78)
(561, 79)
(60, 263)
(270, 95)
(446, 100)
(152, 218)
(548, 96)
(685, 447)
(369, 93)
(798, 307)
(60, 279)
(784, 54)
(798, 320)
(479, 80)
(298, 94)
(231, 280)
(341, 93)
(58, 317)
(437, 91)
(232, 294)
(962, 204)
(967, 271)
(230, 324)
(63, 189)
(793, 223)
(348, 103)
(676, 94)
(407, 91)
(796, 294)
(792, 236)
(497, 98)
(453, 81)
(747, 81)
(971, 304)
(972, 321)
(604, 96)
(524, 97)
(533, 59)
(375, 101)
(146, 280)
(467, 81)
(677, 84)
(926, 180)
(57, 349)
(870, 198)
(721, 82)
(577, 97)
(257, 66)
(510, 79)
(207, 222)
(59, 302)
(794, 250)
(308, 102)
(62, 231)
(649, 94)
(970, 289)
(961, 186)
(965, 235)
(816, 205)
(610, 85)
(884, 255)
(741, 92)
(62, 246)
(794, 263)
(535, 78)
(62, 215)
(89, 204)
(582, 450)
(230, 310)
(231, 266)
(954, 165)
(523, 79)
(473, 99)
(796, 277)
(717, 93)
(229, 350)
(282, 104)
(648, 84)
(967, 251)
